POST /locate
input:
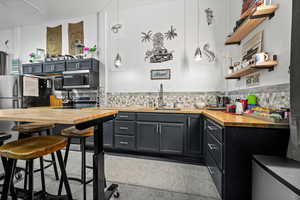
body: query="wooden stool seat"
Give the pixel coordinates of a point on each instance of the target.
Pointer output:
(33, 127)
(33, 147)
(73, 132)
(4, 136)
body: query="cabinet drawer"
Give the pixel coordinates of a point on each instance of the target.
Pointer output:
(215, 173)
(125, 142)
(215, 149)
(126, 116)
(214, 129)
(36, 68)
(158, 117)
(125, 127)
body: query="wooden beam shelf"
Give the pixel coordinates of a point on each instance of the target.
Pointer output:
(259, 15)
(252, 69)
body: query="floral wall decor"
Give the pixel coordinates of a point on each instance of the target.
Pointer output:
(159, 53)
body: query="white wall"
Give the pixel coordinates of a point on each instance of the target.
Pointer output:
(277, 40)
(187, 75)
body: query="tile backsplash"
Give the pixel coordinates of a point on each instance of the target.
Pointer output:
(182, 99)
(277, 96)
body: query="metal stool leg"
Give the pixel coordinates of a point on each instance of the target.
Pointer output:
(64, 175)
(43, 177)
(65, 163)
(9, 175)
(30, 191)
(49, 132)
(83, 166)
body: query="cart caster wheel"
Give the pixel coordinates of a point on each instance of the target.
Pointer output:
(116, 195)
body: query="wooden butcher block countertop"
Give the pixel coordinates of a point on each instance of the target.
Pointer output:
(221, 117)
(57, 116)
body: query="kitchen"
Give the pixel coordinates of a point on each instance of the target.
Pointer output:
(195, 97)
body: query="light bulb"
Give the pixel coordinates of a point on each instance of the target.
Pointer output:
(118, 61)
(198, 54)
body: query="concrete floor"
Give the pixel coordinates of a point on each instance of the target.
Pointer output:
(140, 179)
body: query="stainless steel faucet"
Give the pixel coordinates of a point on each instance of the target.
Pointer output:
(161, 96)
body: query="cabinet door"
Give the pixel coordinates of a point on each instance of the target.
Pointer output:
(195, 135)
(108, 134)
(171, 138)
(147, 136)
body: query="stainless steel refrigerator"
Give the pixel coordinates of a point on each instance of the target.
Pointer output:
(11, 96)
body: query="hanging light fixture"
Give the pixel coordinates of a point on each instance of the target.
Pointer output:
(118, 59)
(198, 53)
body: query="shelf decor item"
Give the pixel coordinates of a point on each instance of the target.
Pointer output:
(209, 16)
(159, 53)
(160, 74)
(198, 53)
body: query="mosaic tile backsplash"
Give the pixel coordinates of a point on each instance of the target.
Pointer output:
(271, 96)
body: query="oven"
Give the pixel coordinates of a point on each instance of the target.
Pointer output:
(81, 79)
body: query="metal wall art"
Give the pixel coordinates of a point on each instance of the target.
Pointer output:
(76, 38)
(160, 74)
(54, 40)
(208, 53)
(209, 16)
(159, 53)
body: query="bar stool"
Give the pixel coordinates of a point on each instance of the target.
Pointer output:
(30, 149)
(28, 130)
(71, 133)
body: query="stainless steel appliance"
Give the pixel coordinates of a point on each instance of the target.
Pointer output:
(80, 79)
(11, 96)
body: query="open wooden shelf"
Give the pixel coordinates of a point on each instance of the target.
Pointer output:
(252, 69)
(259, 15)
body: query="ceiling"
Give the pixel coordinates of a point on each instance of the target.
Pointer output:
(28, 12)
(25, 12)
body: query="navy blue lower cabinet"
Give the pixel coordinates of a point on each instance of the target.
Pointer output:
(229, 152)
(108, 134)
(147, 136)
(194, 135)
(171, 138)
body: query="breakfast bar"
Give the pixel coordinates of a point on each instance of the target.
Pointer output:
(82, 119)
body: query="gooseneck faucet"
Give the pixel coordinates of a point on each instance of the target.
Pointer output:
(161, 96)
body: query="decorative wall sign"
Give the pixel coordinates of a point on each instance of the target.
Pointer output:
(208, 53)
(253, 80)
(76, 37)
(160, 74)
(159, 53)
(209, 16)
(54, 40)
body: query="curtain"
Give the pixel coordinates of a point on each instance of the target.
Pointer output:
(76, 35)
(54, 40)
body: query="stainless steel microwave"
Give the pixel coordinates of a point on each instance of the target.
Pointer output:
(81, 79)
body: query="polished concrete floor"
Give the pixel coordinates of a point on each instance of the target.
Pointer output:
(140, 179)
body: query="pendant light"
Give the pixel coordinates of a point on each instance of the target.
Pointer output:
(198, 53)
(118, 59)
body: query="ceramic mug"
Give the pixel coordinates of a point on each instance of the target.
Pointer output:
(261, 57)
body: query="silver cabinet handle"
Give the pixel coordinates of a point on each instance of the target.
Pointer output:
(211, 128)
(189, 122)
(212, 147)
(160, 129)
(157, 128)
(77, 65)
(123, 116)
(125, 143)
(124, 128)
(210, 170)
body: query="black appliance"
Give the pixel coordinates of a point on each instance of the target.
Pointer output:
(81, 79)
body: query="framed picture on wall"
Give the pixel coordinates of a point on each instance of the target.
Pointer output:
(161, 74)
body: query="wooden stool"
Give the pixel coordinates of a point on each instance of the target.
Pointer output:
(72, 132)
(29, 149)
(28, 130)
